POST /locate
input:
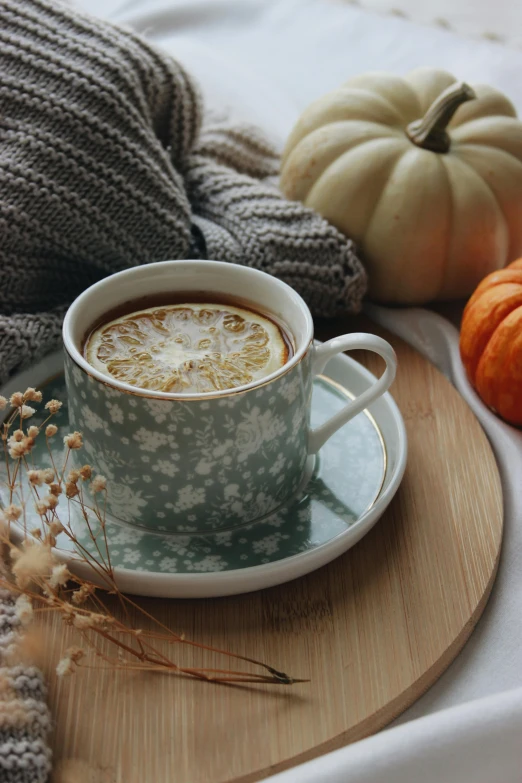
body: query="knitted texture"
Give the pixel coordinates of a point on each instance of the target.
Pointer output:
(24, 717)
(104, 164)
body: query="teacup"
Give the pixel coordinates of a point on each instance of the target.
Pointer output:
(215, 460)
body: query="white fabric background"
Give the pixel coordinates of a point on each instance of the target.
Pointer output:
(265, 60)
(500, 20)
(473, 743)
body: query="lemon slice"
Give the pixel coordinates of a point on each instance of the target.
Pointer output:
(188, 348)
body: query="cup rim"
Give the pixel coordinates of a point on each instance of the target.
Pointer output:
(139, 271)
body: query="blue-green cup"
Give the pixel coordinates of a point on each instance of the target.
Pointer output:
(210, 461)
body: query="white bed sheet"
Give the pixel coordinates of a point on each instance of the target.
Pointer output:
(265, 60)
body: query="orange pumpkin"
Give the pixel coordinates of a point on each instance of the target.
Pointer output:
(491, 341)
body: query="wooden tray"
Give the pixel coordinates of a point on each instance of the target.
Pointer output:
(373, 630)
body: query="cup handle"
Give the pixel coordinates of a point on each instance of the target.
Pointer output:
(348, 342)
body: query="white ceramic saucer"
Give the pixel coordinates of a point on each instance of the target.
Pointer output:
(356, 476)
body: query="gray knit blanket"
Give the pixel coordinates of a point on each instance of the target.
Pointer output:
(25, 756)
(106, 163)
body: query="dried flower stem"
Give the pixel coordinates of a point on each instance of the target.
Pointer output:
(49, 451)
(46, 584)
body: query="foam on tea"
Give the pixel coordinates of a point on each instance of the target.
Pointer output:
(188, 348)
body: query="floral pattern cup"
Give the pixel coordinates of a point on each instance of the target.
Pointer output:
(211, 461)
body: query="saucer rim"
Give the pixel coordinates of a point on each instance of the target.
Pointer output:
(222, 583)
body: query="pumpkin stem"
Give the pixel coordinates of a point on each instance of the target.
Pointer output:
(430, 132)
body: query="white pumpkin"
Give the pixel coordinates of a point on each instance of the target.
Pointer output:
(433, 210)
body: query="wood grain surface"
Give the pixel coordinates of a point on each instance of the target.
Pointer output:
(372, 630)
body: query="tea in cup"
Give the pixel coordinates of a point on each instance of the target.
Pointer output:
(192, 384)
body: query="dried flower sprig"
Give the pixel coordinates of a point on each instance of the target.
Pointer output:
(44, 584)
